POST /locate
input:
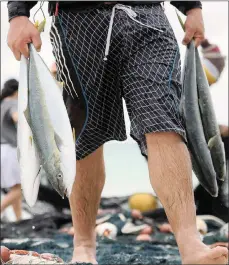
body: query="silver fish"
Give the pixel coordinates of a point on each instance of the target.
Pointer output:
(28, 157)
(210, 125)
(194, 128)
(49, 122)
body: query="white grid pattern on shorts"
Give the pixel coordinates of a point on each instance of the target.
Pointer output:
(146, 63)
(85, 42)
(151, 76)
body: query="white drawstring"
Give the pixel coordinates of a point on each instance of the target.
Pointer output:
(132, 15)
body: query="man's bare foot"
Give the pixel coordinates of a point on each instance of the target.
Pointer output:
(143, 237)
(136, 214)
(165, 228)
(198, 253)
(84, 255)
(221, 244)
(148, 230)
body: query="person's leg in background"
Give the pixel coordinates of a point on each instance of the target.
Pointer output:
(84, 202)
(152, 90)
(17, 207)
(13, 197)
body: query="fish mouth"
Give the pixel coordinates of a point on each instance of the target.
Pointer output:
(61, 189)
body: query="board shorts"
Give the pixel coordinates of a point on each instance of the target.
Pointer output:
(116, 52)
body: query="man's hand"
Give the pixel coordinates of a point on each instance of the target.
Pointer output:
(194, 27)
(224, 130)
(22, 32)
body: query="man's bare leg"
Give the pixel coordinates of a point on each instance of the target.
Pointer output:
(11, 197)
(170, 172)
(84, 202)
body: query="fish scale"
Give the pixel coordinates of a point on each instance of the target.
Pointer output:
(38, 113)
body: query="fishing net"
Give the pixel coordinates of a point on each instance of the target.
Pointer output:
(41, 235)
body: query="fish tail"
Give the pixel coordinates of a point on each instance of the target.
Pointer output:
(181, 21)
(41, 26)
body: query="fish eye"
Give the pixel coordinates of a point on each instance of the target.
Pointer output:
(59, 176)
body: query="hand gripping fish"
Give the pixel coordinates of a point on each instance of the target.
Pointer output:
(50, 148)
(201, 124)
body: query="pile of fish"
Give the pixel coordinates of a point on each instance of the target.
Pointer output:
(45, 139)
(203, 134)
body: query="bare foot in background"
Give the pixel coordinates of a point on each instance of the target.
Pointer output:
(5, 254)
(165, 228)
(143, 237)
(136, 214)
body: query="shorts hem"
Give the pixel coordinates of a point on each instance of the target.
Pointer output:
(99, 145)
(181, 132)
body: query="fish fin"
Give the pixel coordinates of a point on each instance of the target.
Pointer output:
(34, 188)
(41, 26)
(74, 134)
(180, 20)
(41, 172)
(27, 116)
(201, 106)
(211, 142)
(58, 141)
(31, 140)
(36, 24)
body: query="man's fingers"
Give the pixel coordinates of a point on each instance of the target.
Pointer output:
(36, 40)
(188, 37)
(16, 53)
(198, 41)
(24, 49)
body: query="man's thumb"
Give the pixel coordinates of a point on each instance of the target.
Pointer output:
(188, 37)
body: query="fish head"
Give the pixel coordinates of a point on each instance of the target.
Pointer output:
(57, 181)
(68, 168)
(61, 184)
(55, 175)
